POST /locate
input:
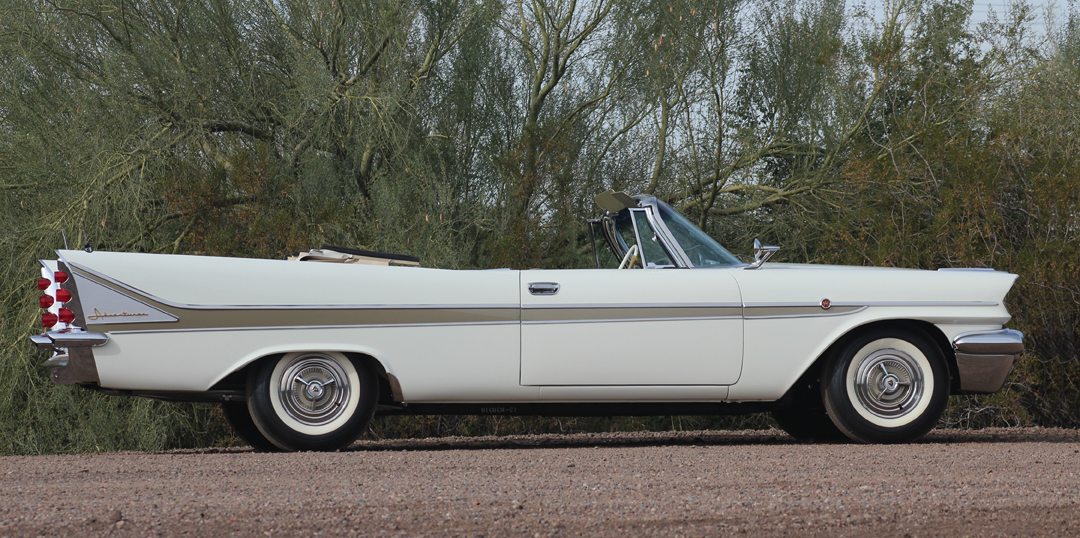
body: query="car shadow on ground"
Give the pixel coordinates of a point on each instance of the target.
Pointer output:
(695, 438)
(670, 438)
(579, 440)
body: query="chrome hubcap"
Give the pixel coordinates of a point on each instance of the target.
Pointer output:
(314, 390)
(889, 383)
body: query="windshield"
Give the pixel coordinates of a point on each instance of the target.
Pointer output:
(702, 250)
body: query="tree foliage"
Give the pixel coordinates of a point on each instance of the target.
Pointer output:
(474, 132)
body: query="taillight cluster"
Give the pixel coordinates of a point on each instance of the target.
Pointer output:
(46, 302)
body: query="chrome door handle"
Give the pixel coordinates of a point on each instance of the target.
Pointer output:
(543, 288)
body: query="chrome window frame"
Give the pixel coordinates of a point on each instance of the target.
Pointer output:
(671, 245)
(651, 222)
(637, 236)
(648, 206)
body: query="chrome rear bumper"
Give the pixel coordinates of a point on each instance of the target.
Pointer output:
(66, 339)
(984, 359)
(73, 361)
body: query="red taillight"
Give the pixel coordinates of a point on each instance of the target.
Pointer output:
(48, 319)
(45, 301)
(66, 315)
(43, 283)
(60, 277)
(63, 296)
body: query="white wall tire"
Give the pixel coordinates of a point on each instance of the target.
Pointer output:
(314, 393)
(888, 381)
(886, 386)
(312, 400)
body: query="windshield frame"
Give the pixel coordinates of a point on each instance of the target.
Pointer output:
(703, 238)
(650, 207)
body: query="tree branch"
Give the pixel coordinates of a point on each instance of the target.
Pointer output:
(227, 126)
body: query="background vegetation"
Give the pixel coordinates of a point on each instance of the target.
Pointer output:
(473, 133)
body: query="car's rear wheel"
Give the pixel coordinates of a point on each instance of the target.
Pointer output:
(886, 386)
(311, 400)
(237, 415)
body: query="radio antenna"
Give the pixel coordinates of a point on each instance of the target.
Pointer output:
(64, 235)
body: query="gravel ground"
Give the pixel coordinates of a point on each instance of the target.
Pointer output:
(984, 483)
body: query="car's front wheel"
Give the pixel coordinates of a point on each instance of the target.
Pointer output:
(886, 386)
(311, 400)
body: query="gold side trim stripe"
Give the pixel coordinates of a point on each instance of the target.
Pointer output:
(579, 314)
(774, 312)
(135, 330)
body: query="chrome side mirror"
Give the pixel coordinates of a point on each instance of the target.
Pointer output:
(762, 254)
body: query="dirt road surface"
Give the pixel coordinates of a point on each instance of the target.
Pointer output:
(980, 483)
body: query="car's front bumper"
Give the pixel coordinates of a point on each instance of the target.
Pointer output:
(984, 359)
(73, 361)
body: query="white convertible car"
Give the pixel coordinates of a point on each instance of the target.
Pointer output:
(302, 352)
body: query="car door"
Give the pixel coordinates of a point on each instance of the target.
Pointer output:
(630, 326)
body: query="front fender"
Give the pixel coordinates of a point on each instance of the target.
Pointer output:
(780, 350)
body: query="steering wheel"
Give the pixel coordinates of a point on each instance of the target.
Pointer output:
(630, 258)
(696, 254)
